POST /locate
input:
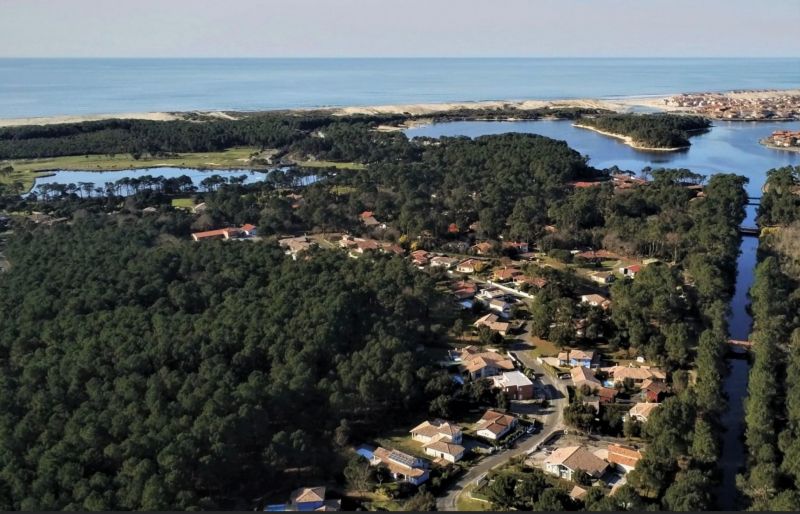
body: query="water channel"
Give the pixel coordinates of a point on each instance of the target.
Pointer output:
(730, 147)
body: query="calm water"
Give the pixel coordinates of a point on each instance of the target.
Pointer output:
(99, 178)
(48, 87)
(727, 147)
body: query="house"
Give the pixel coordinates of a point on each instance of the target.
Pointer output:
(537, 282)
(493, 425)
(402, 466)
(630, 271)
(515, 385)
(249, 230)
(464, 290)
(222, 233)
(585, 358)
(642, 411)
(420, 258)
(480, 364)
(624, 457)
(452, 228)
(483, 248)
(584, 376)
(309, 499)
(654, 392)
(428, 431)
(501, 307)
(596, 300)
(440, 439)
(442, 261)
(490, 293)
(518, 246)
(602, 277)
(578, 493)
(295, 245)
(492, 322)
(469, 266)
(636, 375)
(368, 219)
(565, 462)
(506, 274)
(606, 394)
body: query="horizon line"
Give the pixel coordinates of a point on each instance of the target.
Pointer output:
(398, 57)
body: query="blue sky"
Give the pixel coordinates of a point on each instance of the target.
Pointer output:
(377, 28)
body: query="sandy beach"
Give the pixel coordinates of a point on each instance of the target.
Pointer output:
(623, 104)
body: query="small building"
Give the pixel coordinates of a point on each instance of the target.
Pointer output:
(309, 499)
(518, 246)
(401, 466)
(623, 457)
(492, 322)
(501, 307)
(637, 375)
(572, 358)
(441, 448)
(483, 248)
(515, 385)
(578, 493)
(428, 431)
(602, 277)
(641, 411)
(596, 300)
(506, 274)
(631, 271)
(584, 376)
(464, 290)
(469, 266)
(222, 233)
(537, 282)
(479, 364)
(654, 392)
(494, 425)
(490, 293)
(295, 245)
(420, 258)
(565, 462)
(442, 261)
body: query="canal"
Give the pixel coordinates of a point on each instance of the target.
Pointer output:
(729, 147)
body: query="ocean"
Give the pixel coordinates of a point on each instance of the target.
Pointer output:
(51, 87)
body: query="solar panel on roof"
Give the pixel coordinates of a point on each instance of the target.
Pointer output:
(402, 458)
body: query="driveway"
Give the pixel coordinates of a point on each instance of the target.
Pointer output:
(552, 423)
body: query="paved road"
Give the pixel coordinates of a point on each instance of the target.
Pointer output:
(557, 394)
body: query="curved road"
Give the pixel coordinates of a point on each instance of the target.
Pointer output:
(552, 423)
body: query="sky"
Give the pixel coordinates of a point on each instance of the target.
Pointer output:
(399, 28)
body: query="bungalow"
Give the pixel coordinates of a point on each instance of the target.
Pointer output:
(642, 411)
(537, 282)
(469, 266)
(520, 247)
(654, 391)
(249, 230)
(506, 274)
(309, 499)
(483, 364)
(295, 245)
(493, 425)
(443, 261)
(596, 300)
(637, 375)
(565, 462)
(483, 248)
(515, 385)
(624, 457)
(584, 376)
(631, 271)
(501, 307)
(585, 358)
(420, 258)
(222, 233)
(428, 431)
(368, 219)
(606, 394)
(440, 439)
(492, 322)
(602, 277)
(578, 493)
(464, 290)
(402, 466)
(490, 293)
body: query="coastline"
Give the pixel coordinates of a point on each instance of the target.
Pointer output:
(628, 140)
(794, 149)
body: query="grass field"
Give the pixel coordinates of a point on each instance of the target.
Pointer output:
(183, 203)
(25, 169)
(465, 502)
(331, 164)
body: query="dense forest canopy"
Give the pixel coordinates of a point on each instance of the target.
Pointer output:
(651, 130)
(139, 372)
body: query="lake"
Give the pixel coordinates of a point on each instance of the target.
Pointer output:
(52, 87)
(727, 147)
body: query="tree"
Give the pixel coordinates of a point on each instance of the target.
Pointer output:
(580, 416)
(705, 445)
(359, 474)
(421, 502)
(501, 490)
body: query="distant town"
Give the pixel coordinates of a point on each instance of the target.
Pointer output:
(739, 105)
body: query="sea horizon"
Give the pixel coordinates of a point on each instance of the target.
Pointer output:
(33, 87)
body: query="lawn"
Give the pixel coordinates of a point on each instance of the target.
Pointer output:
(400, 439)
(183, 203)
(465, 502)
(231, 158)
(331, 164)
(542, 347)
